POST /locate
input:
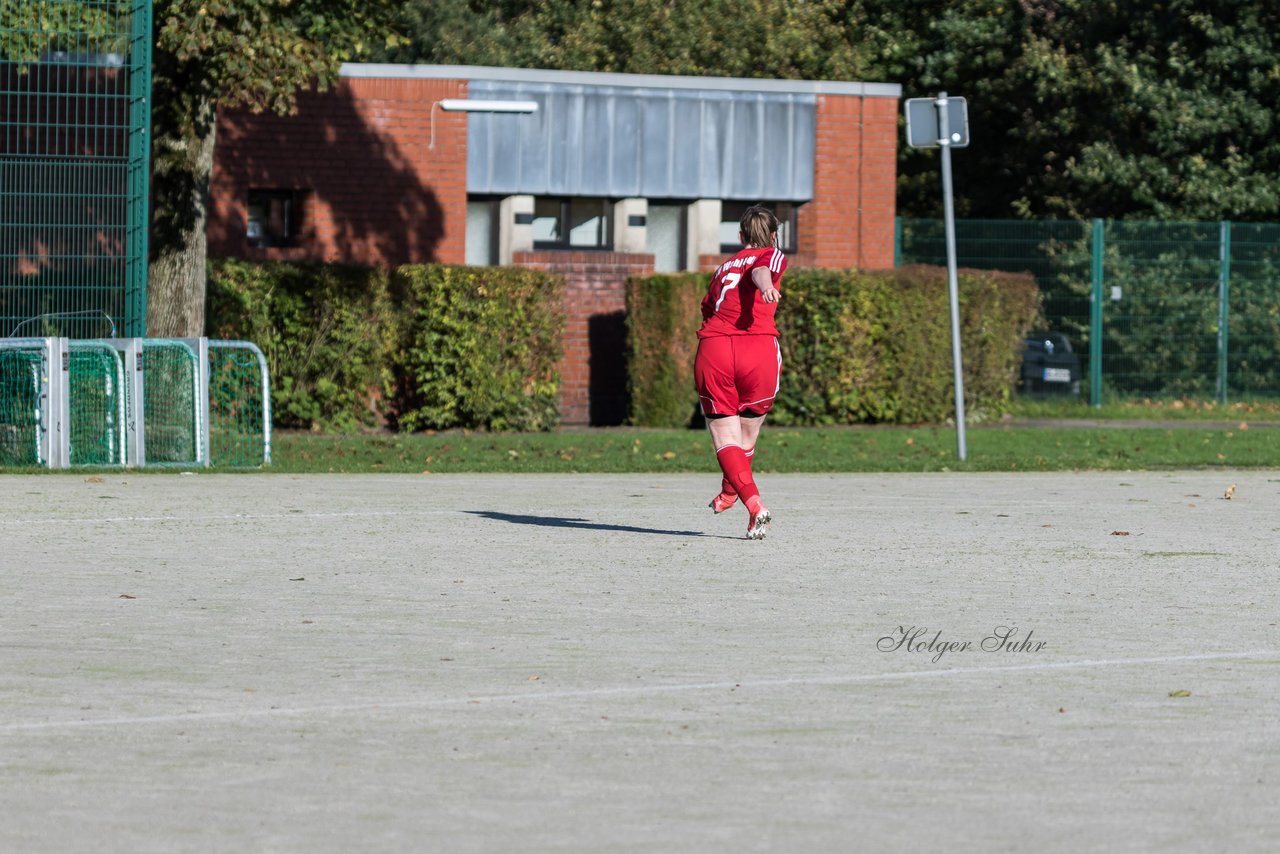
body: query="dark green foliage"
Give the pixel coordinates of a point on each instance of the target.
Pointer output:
(875, 346)
(819, 39)
(1116, 109)
(318, 327)
(473, 347)
(428, 347)
(662, 321)
(856, 346)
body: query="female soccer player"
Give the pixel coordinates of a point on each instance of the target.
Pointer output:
(739, 362)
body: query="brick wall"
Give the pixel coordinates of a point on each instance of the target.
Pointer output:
(380, 192)
(593, 377)
(849, 223)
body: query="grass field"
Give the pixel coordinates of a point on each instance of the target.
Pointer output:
(784, 450)
(1047, 434)
(1146, 409)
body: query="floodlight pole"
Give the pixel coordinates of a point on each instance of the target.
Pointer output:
(953, 287)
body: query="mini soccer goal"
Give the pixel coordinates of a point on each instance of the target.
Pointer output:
(133, 402)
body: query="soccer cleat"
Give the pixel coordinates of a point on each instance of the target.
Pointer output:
(723, 501)
(758, 526)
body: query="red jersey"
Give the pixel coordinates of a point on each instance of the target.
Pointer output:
(733, 305)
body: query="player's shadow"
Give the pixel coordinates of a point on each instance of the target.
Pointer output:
(580, 524)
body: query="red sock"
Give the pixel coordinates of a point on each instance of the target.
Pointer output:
(728, 488)
(737, 471)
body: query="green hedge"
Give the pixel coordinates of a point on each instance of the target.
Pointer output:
(473, 347)
(315, 324)
(427, 346)
(663, 316)
(857, 346)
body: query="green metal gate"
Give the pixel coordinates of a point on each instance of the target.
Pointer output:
(75, 82)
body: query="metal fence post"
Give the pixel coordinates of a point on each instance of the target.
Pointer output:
(1095, 318)
(1224, 299)
(139, 165)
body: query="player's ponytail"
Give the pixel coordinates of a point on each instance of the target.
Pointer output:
(759, 225)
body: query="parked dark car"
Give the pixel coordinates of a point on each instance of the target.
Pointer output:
(1049, 365)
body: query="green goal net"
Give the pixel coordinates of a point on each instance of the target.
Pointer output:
(177, 402)
(171, 403)
(98, 404)
(21, 388)
(239, 405)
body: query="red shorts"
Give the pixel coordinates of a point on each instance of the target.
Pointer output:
(737, 372)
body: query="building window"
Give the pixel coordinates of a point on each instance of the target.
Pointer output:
(482, 235)
(276, 217)
(731, 213)
(665, 236)
(572, 224)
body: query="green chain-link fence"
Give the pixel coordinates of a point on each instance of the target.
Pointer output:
(1153, 308)
(75, 77)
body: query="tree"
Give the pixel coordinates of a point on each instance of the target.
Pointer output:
(222, 53)
(1109, 109)
(819, 39)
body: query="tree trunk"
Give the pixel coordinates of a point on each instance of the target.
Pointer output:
(182, 162)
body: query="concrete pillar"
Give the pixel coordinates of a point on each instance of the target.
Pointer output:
(515, 227)
(704, 231)
(629, 216)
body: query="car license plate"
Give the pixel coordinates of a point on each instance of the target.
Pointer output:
(1057, 375)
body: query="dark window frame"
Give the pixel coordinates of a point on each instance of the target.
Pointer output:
(562, 243)
(283, 226)
(785, 212)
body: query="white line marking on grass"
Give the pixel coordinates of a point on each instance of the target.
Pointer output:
(622, 690)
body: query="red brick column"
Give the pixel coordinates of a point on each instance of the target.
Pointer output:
(849, 223)
(593, 370)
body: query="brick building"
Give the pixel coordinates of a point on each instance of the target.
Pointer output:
(597, 177)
